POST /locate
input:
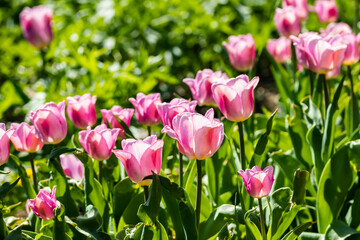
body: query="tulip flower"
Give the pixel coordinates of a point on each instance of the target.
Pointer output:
(99, 143)
(123, 114)
(72, 166)
(198, 137)
(241, 50)
(280, 49)
(200, 86)
(326, 10)
(50, 122)
(4, 144)
(318, 54)
(258, 183)
(24, 139)
(301, 7)
(81, 110)
(176, 106)
(335, 29)
(334, 73)
(36, 25)
(351, 55)
(235, 97)
(141, 157)
(287, 22)
(44, 204)
(145, 108)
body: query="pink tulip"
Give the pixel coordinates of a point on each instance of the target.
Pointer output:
(141, 157)
(81, 110)
(72, 166)
(36, 25)
(4, 144)
(123, 114)
(235, 97)
(326, 10)
(241, 50)
(301, 7)
(334, 73)
(318, 54)
(50, 122)
(351, 55)
(200, 86)
(258, 182)
(44, 204)
(287, 22)
(280, 49)
(335, 29)
(198, 137)
(24, 139)
(99, 143)
(145, 108)
(168, 111)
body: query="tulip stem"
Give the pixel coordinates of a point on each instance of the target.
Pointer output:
(31, 157)
(149, 130)
(311, 76)
(242, 146)
(146, 193)
(262, 220)
(326, 91)
(352, 100)
(181, 169)
(43, 69)
(198, 193)
(100, 171)
(356, 19)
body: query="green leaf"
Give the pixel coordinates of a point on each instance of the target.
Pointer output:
(127, 130)
(311, 236)
(300, 180)
(187, 214)
(251, 226)
(295, 233)
(15, 234)
(59, 224)
(6, 187)
(60, 151)
(340, 231)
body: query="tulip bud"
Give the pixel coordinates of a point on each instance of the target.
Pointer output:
(141, 157)
(36, 25)
(81, 110)
(280, 49)
(241, 50)
(235, 97)
(301, 7)
(72, 166)
(145, 108)
(326, 10)
(198, 137)
(287, 22)
(123, 114)
(99, 143)
(258, 183)
(24, 139)
(50, 122)
(44, 204)
(4, 144)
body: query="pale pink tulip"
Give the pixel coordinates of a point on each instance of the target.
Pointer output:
(280, 49)
(235, 97)
(200, 86)
(24, 139)
(301, 6)
(241, 50)
(335, 29)
(4, 144)
(123, 114)
(198, 137)
(72, 166)
(351, 55)
(287, 22)
(36, 25)
(99, 143)
(141, 157)
(334, 73)
(44, 204)
(81, 110)
(326, 10)
(145, 108)
(50, 122)
(258, 183)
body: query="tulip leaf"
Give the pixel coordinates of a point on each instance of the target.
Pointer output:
(127, 130)
(300, 180)
(4, 172)
(317, 97)
(338, 230)
(336, 179)
(6, 187)
(60, 151)
(59, 224)
(312, 236)
(252, 229)
(187, 214)
(295, 233)
(15, 234)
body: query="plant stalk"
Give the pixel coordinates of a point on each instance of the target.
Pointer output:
(326, 91)
(31, 157)
(311, 76)
(242, 146)
(198, 193)
(100, 171)
(352, 99)
(146, 193)
(149, 130)
(181, 170)
(43, 68)
(262, 220)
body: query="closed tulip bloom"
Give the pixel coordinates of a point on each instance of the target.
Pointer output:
(4, 144)
(145, 108)
(198, 137)
(123, 114)
(335, 29)
(258, 183)
(318, 54)
(287, 22)
(241, 50)
(50, 122)
(81, 110)
(326, 10)
(99, 143)
(141, 157)
(235, 97)
(24, 139)
(301, 6)
(36, 25)
(72, 166)
(280, 49)
(200, 86)
(44, 204)
(351, 55)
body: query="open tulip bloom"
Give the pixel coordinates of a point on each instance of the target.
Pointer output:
(24, 138)
(44, 204)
